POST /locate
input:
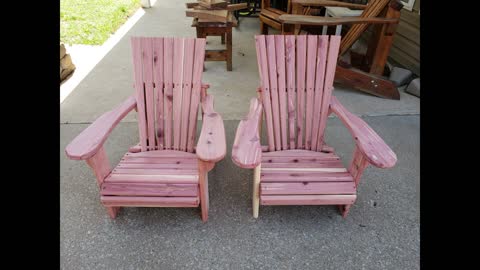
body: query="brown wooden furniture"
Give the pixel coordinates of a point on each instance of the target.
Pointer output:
(207, 27)
(366, 74)
(269, 16)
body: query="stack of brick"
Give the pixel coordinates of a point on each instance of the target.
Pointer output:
(66, 66)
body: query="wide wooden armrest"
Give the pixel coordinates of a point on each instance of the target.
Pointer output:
(87, 143)
(211, 145)
(246, 150)
(318, 20)
(375, 150)
(323, 3)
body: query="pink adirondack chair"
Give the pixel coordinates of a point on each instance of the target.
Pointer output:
(297, 167)
(165, 169)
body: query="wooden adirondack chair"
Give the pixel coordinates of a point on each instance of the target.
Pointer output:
(295, 94)
(164, 169)
(367, 76)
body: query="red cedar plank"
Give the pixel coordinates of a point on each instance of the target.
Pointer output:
(159, 171)
(272, 74)
(182, 165)
(307, 199)
(374, 149)
(299, 160)
(150, 160)
(246, 149)
(163, 153)
(158, 79)
(160, 179)
(187, 89)
(197, 84)
(290, 57)
(282, 92)
(139, 90)
(265, 85)
(178, 61)
(307, 188)
(333, 47)
(296, 176)
(296, 165)
(297, 152)
(150, 201)
(147, 61)
(319, 80)
(357, 165)
(100, 165)
(211, 144)
(91, 139)
(311, 62)
(185, 190)
(301, 58)
(168, 90)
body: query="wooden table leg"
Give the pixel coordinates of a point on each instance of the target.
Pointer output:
(223, 38)
(229, 48)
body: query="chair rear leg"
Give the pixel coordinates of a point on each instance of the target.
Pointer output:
(263, 28)
(344, 209)
(112, 211)
(256, 191)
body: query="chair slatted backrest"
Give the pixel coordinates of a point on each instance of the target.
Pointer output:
(373, 9)
(168, 80)
(296, 77)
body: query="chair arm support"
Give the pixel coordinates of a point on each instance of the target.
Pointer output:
(317, 20)
(375, 150)
(211, 145)
(246, 150)
(326, 3)
(87, 143)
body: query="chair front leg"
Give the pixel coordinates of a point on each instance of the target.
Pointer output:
(101, 168)
(358, 164)
(203, 169)
(256, 190)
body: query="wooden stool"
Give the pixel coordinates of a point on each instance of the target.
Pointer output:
(224, 30)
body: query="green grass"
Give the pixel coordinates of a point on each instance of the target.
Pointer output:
(92, 22)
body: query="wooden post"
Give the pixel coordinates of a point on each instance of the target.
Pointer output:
(229, 47)
(203, 169)
(256, 190)
(101, 168)
(377, 53)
